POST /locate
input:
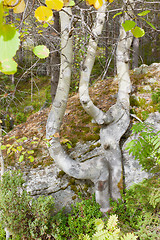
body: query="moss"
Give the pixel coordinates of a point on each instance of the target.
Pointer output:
(86, 119)
(93, 147)
(134, 101)
(74, 188)
(96, 129)
(142, 102)
(74, 197)
(71, 181)
(60, 174)
(85, 188)
(94, 137)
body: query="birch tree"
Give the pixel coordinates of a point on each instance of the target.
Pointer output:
(105, 171)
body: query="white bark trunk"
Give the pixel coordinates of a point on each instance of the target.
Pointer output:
(86, 102)
(1, 156)
(2, 171)
(71, 167)
(105, 171)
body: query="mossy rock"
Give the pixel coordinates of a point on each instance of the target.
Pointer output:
(134, 101)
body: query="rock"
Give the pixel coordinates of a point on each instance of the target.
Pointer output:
(147, 88)
(154, 119)
(50, 181)
(45, 181)
(152, 80)
(133, 172)
(143, 69)
(28, 109)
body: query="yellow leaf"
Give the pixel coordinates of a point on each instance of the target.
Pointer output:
(56, 135)
(11, 3)
(96, 3)
(20, 7)
(55, 4)
(43, 14)
(110, 1)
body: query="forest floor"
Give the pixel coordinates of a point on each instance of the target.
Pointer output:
(77, 125)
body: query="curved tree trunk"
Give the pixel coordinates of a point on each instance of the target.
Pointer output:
(104, 171)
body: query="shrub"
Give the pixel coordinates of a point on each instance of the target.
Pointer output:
(109, 232)
(80, 221)
(2, 233)
(20, 118)
(138, 211)
(146, 147)
(24, 216)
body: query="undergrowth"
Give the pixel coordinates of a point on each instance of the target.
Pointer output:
(28, 218)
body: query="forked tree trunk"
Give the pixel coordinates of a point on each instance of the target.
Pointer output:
(104, 171)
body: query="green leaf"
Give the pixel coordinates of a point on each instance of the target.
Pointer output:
(3, 147)
(8, 66)
(143, 13)
(1, 13)
(45, 25)
(86, 237)
(19, 148)
(156, 140)
(69, 145)
(157, 145)
(128, 25)
(112, 222)
(11, 137)
(9, 42)
(150, 24)
(71, 3)
(129, 236)
(21, 158)
(31, 158)
(23, 139)
(117, 14)
(41, 51)
(30, 151)
(9, 149)
(138, 32)
(99, 224)
(34, 142)
(131, 144)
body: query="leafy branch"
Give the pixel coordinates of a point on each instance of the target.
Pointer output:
(146, 147)
(110, 232)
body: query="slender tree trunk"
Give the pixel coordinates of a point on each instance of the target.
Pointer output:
(2, 170)
(55, 60)
(1, 156)
(135, 56)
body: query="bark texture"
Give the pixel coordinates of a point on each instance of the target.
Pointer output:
(55, 60)
(1, 156)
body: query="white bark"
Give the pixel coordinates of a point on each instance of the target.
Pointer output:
(2, 171)
(1, 156)
(106, 170)
(95, 169)
(86, 102)
(71, 167)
